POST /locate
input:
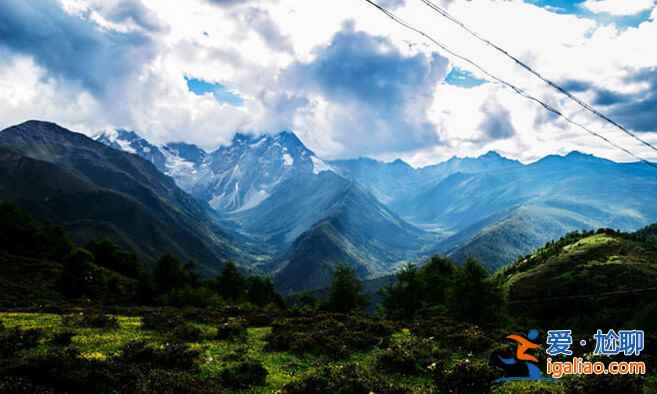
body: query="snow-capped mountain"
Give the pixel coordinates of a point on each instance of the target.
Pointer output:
(232, 178)
(311, 215)
(131, 142)
(243, 174)
(97, 192)
(179, 160)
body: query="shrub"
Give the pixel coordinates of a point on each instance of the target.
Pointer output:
(259, 319)
(91, 320)
(169, 356)
(465, 377)
(244, 374)
(18, 385)
(62, 338)
(411, 356)
(63, 371)
(150, 381)
(232, 330)
(328, 334)
(348, 378)
(456, 336)
(15, 340)
(137, 371)
(186, 333)
(161, 321)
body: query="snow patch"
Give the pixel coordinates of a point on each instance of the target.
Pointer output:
(125, 146)
(216, 200)
(113, 137)
(253, 200)
(288, 161)
(258, 142)
(319, 166)
(110, 135)
(182, 171)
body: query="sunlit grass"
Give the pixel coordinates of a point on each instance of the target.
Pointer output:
(216, 355)
(282, 367)
(102, 343)
(26, 321)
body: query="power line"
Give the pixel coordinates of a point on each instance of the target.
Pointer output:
(516, 89)
(614, 293)
(551, 83)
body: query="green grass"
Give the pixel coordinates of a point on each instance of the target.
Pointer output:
(216, 355)
(283, 367)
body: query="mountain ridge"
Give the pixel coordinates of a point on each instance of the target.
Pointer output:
(489, 206)
(106, 192)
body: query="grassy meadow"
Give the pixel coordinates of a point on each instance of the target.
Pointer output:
(283, 368)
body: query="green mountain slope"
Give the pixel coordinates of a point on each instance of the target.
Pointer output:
(95, 191)
(504, 239)
(593, 275)
(358, 231)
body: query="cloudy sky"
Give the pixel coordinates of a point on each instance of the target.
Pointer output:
(348, 80)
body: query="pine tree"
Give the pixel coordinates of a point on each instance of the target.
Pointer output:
(473, 296)
(403, 298)
(346, 293)
(231, 285)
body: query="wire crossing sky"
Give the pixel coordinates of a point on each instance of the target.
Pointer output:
(551, 83)
(346, 81)
(516, 89)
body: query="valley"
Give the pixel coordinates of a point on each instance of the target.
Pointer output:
(377, 215)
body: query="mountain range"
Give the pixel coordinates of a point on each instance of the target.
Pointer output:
(276, 191)
(272, 205)
(96, 191)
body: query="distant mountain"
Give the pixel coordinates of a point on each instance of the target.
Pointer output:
(131, 142)
(242, 175)
(359, 231)
(537, 203)
(95, 191)
(273, 189)
(310, 215)
(179, 160)
(496, 209)
(489, 162)
(504, 238)
(234, 177)
(388, 182)
(396, 183)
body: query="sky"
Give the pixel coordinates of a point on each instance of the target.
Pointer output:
(349, 81)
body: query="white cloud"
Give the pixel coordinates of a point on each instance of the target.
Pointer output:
(619, 7)
(217, 43)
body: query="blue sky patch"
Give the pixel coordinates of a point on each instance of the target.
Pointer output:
(561, 6)
(221, 93)
(623, 21)
(575, 7)
(462, 78)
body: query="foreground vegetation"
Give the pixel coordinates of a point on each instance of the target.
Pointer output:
(84, 352)
(90, 318)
